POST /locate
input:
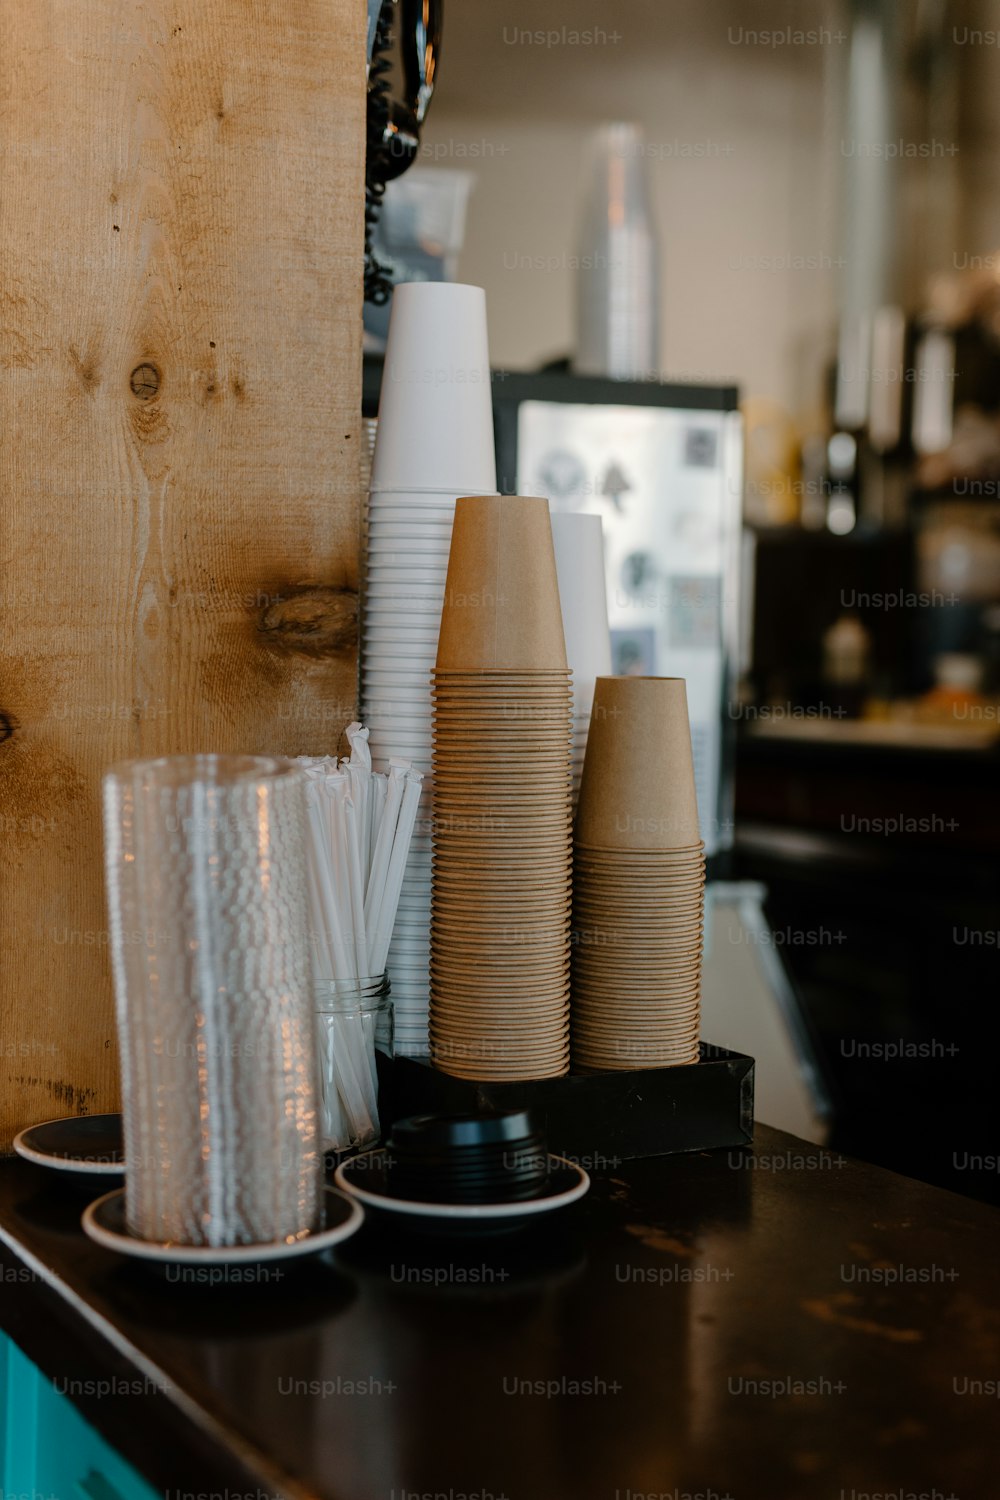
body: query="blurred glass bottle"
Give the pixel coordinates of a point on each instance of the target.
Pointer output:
(617, 301)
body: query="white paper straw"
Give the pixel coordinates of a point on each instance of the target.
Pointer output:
(385, 917)
(357, 880)
(327, 886)
(322, 952)
(383, 844)
(360, 826)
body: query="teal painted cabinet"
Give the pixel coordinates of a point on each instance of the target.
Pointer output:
(47, 1450)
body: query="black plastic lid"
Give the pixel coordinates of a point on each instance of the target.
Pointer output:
(500, 1128)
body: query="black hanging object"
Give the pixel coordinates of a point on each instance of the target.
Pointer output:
(377, 285)
(393, 131)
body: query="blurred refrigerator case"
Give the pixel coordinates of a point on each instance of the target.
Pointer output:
(662, 465)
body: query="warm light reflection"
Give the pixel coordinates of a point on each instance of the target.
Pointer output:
(264, 836)
(616, 190)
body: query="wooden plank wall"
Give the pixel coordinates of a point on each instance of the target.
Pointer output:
(180, 316)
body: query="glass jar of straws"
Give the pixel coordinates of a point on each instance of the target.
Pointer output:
(354, 1021)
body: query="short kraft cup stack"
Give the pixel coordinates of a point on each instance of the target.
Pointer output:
(502, 885)
(434, 443)
(579, 546)
(638, 882)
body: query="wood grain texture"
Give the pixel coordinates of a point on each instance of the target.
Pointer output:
(180, 319)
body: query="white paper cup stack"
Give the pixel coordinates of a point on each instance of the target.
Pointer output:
(502, 818)
(434, 443)
(638, 882)
(579, 548)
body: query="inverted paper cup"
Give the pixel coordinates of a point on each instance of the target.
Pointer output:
(541, 729)
(455, 930)
(453, 963)
(493, 790)
(484, 963)
(638, 789)
(411, 505)
(634, 1053)
(398, 643)
(484, 866)
(395, 577)
(601, 990)
(478, 812)
(595, 939)
(486, 970)
(550, 852)
(655, 909)
(630, 1055)
(404, 558)
(492, 1073)
(643, 890)
(483, 1044)
(504, 1052)
(385, 706)
(396, 687)
(665, 1038)
(413, 524)
(626, 1045)
(531, 906)
(578, 541)
(633, 1011)
(501, 606)
(505, 712)
(471, 684)
(665, 967)
(637, 859)
(495, 1063)
(385, 680)
(523, 758)
(510, 929)
(464, 1002)
(621, 944)
(435, 415)
(506, 1059)
(495, 910)
(551, 952)
(470, 1014)
(499, 996)
(598, 939)
(504, 900)
(491, 727)
(637, 975)
(666, 1035)
(405, 552)
(462, 1034)
(386, 601)
(512, 1017)
(634, 1062)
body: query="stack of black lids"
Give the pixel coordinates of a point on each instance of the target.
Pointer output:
(492, 1158)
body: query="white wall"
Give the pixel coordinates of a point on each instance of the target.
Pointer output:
(520, 113)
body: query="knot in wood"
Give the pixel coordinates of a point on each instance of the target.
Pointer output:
(145, 381)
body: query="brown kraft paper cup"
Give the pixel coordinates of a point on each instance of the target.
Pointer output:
(637, 790)
(501, 606)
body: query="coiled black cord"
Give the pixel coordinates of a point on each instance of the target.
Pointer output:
(378, 287)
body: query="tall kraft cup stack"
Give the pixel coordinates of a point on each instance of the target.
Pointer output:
(579, 546)
(434, 443)
(639, 882)
(502, 815)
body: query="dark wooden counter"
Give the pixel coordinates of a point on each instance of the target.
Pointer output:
(644, 1346)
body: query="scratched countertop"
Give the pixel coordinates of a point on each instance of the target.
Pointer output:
(761, 1323)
